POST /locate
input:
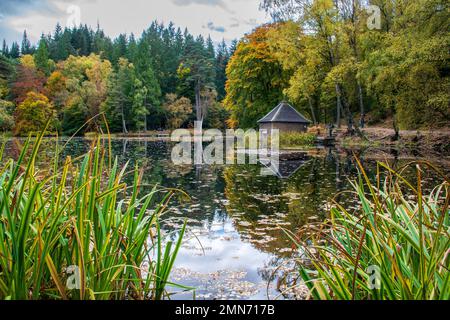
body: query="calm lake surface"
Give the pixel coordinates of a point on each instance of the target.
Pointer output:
(235, 246)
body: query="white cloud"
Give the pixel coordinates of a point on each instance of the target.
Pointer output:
(227, 19)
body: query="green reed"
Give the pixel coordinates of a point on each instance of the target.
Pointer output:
(396, 247)
(80, 224)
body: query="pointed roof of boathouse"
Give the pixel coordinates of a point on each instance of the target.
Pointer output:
(286, 113)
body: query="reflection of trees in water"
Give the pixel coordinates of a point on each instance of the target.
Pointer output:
(294, 200)
(291, 203)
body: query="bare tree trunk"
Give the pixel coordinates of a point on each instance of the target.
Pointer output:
(346, 107)
(198, 103)
(362, 121)
(338, 107)
(313, 114)
(395, 125)
(145, 117)
(124, 124)
(351, 126)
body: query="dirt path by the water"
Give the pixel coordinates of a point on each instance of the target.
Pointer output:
(434, 141)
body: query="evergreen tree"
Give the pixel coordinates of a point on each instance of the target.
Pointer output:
(41, 57)
(221, 65)
(132, 49)
(196, 71)
(144, 68)
(210, 48)
(139, 110)
(233, 47)
(15, 51)
(119, 102)
(26, 44)
(5, 50)
(120, 48)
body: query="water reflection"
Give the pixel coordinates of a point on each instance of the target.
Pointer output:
(236, 243)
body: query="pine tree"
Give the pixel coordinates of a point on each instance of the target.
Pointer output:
(26, 44)
(5, 50)
(139, 110)
(196, 71)
(210, 48)
(132, 48)
(15, 51)
(41, 57)
(120, 48)
(221, 65)
(145, 73)
(233, 47)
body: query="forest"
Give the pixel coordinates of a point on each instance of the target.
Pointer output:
(322, 56)
(74, 75)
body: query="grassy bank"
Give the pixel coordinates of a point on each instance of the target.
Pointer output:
(296, 139)
(78, 231)
(396, 247)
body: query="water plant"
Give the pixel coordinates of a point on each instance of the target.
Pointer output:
(77, 231)
(396, 247)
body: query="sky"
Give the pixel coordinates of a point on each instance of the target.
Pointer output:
(222, 19)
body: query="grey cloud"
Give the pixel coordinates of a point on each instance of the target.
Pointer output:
(235, 22)
(18, 7)
(213, 27)
(219, 3)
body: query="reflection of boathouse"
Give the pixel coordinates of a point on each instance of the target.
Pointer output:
(284, 118)
(289, 163)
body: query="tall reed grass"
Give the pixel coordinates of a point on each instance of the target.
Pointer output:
(396, 248)
(79, 231)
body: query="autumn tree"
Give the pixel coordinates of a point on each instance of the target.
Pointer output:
(56, 90)
(177, 110)
(86, 84)
(27, 78)
(256, 79)
(33, 113)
